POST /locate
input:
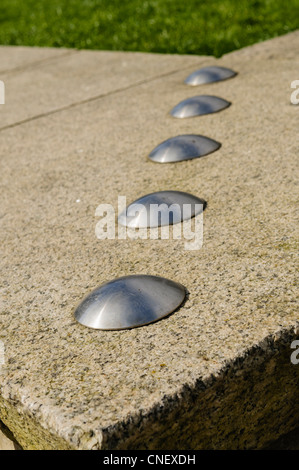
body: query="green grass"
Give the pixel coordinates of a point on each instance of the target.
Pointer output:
(173, 26)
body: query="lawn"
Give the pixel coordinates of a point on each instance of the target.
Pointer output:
(173, 26)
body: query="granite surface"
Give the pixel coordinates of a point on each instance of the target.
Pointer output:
(57, 83)
(216, 373)
(289, 441)
(18, 59)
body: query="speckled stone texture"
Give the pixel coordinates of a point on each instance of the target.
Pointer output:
(289, 441)
(17, 59)
(55, 83)
(215, 374)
